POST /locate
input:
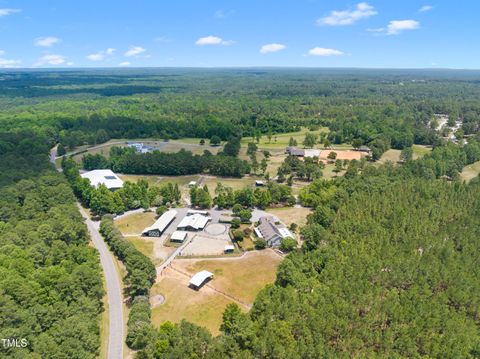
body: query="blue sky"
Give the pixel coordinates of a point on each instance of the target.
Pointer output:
(195, 33)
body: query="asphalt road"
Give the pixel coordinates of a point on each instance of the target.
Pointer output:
(114, 290)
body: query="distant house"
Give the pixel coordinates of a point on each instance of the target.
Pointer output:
(105, 177)
(140, 147)
(178, 236)
(272, 231)
(160, 225)
(293, 151)
(195, 222)
(191, 212)
(199, 279)
(364, 149)
(311, 153)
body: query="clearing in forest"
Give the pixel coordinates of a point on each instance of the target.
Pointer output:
(470, 172)
(238, 277)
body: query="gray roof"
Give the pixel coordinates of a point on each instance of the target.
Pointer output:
(295, 151)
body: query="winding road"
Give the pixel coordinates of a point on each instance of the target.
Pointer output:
(114, 289)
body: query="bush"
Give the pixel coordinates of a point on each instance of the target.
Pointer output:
(288, 244)
(161, 210)
(238, 235)
(260, 243)
(236, 223)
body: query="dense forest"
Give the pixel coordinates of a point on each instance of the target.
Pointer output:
(50, 278)
(381, 108)
(389, 262)
(388, 269)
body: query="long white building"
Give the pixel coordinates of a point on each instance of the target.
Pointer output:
(161, 224)
(105, 177)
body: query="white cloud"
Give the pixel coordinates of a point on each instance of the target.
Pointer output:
(48, 41)
(51, 60)
(213, 40)
(348, 17)
(269, 48)
(101, 55)
(134, 51)
(425, 8)
(163, 39)
(395, 27)
(222, 14)
(6, 12)
(9, 63)
(322, 51)
(379, 29)
(124, 63)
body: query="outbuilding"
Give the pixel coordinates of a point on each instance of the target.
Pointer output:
(229, 248)
(200, 279)
(161, 224)
(195, 222)
(178, 236)
(104, 177)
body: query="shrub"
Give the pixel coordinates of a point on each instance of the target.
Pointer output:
(260, 243)
(236, 223)
(238, 235)
(288, 244)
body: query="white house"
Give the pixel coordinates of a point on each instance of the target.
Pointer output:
(105, 177)
(271, 231)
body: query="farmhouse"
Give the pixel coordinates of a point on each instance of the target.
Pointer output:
(272, 231)
(200, 278)
(178, 236)
(105, 177)
(293, 151)
(161, 224)
(195, 222)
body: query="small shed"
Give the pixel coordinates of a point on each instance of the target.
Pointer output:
(200, 279)
(192, 183)
(259, 183)
(178, 236)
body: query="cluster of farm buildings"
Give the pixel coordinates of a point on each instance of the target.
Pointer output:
(323, 155)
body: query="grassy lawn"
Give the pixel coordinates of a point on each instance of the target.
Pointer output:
(235, 183)
(157, 180)
(281, 140)
(135, 223)
(471, 171)
(420, 151)
(204, 307)
(289, 215)
(390, 155)
(241, 277)
(143, 245)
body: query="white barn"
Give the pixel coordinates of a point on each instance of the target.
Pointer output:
(105, 177)
(160, 225)
(195, 222)
(178, 236)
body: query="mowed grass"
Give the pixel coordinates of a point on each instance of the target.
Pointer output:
(241, 277)
(204, 307)
(390, 155)
(234, 183)
(289, 215)
(420, 151)
(470, 172)
(159, 180)
(144, 246)
(135, 223)
(281, 140)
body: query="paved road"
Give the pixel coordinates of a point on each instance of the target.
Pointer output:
(114, 291)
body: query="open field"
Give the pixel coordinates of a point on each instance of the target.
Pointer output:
(470, 172)
(156, 180)
(204, 307)
(289, 215)
(240, 277)
(390, 155)
(280, 141)
(420, 151)
(135, 223)
(235, 183)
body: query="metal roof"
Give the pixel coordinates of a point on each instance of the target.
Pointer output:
(105, 177)
(195, 221)
(200, 277)
(162, 222)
